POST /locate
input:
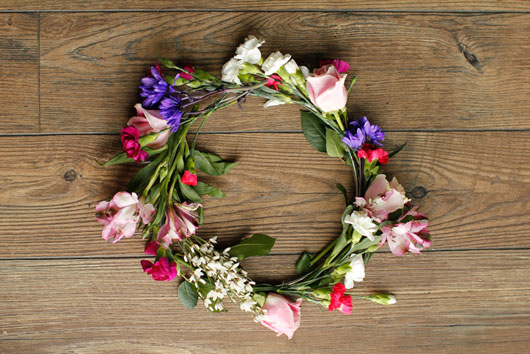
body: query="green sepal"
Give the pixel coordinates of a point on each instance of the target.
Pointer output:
(260, 298)
(160, 252)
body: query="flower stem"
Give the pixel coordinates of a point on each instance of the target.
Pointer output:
(339, 120)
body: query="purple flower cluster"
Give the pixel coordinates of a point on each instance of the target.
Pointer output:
(360, 132)
(159, 94)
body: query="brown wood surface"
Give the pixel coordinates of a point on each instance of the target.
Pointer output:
(450, 78)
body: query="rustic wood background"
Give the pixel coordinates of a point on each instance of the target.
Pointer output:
(451, 78)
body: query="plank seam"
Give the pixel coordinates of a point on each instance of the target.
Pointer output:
(420, 12)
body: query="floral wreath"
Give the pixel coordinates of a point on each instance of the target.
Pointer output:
(166, 198)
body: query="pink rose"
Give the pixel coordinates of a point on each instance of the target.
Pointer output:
(382, 198)
(150, 121)
(281, 315)
(121, 215)
(326, 90)
(161, 270)
(131, 145)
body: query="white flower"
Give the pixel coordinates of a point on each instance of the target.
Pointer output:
(362, 223)
(274, 62)
(305, 71)
(247, 305)
(231, 71)
(291, 67)
(356, 273)
(273, 102)
(248, 52)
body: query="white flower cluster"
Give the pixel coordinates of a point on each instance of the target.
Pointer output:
(218, 276)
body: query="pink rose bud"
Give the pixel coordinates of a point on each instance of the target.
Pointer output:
(281, 315)
(325, 87)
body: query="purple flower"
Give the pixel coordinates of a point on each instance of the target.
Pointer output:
(171, 111)
(354, 141)
(371, 131)
(153, 87)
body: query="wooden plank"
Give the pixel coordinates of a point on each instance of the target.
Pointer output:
(18, 73)
(281, 187)
(448, 302)
(268, 5)
(416, 71)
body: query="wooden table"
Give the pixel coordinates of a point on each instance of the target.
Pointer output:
(449, 78)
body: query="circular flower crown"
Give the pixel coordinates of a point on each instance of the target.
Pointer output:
(166, 198)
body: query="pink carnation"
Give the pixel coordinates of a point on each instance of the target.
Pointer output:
(339, 301)
(161, 270)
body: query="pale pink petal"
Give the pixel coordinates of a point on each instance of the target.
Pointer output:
(154, 117)
(160, 140)
(124, 199)
(142, 124)
(377, 188)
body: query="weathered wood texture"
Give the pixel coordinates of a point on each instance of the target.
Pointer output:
(455, 302)
(415, 71)
(281, 187)
(268, 5)
(18, 73)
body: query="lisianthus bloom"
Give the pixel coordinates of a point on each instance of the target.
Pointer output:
(281, 315)
(412, 235)
(161, 270)
(171, 110)
(189, 178)
(249, 52)
(382, 198)
(231, 71)
(274, 62)
(154, 87)
(356, 274)
(371, 152)
(341, 65)
(131, 145)
(339, 301)
(182, 221)
(150, 121)
(186, 75)
(121, 215)
(325, 87)
(273, 81)
(362, 223)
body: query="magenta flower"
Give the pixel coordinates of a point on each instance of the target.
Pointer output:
(182, 221)
(131, 145)
(412, 236)
(189, 68)
(341, 65)
(121, 215)
(339, 301)
(161, 270)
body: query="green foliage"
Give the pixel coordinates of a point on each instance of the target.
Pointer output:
(341, 188)
(141, 179)
(188, 295)
(212, 164)
(334, 146)
(314, 130)
(304, 263)
(256, 245)
(189, 193)
(390, 155)
(205, 189)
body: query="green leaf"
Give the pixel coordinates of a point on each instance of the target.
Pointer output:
(189, 193)
(142, 177)
(366, 243)
(256, 245)
(188, 295)
(334, 146)
(303, 264)
(341, 188)
(118, 159)
(397, 150)
(314, 130)
(168, 63)
(205, 189)
(212, 164)
(352, 83)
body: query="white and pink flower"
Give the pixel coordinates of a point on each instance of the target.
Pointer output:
(150, 121)
(411, 235)
(121, 215)
(182, 221)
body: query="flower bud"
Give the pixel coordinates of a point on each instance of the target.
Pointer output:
(322, 293)
(383, 299)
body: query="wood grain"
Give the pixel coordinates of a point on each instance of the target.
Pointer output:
(18, 73)
(451, 302)
(415, 71)
(268, 5)
(281, 187)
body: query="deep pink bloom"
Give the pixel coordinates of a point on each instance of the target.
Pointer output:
(121, 215)
(189, 178)
(189, 68)
(150, 248)
(161, 270)
(281, 315)
(273, 81)
(325, 87)
(182, 221)
(371, 152)
(339, 301)
(150, 121)
(131, 145)
(341, 65)
(412, 236)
